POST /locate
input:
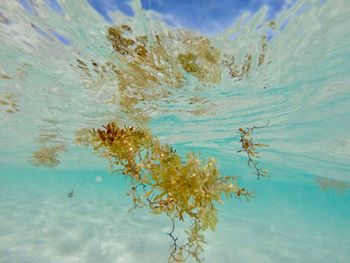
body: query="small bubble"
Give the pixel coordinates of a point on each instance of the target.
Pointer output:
(98, 178)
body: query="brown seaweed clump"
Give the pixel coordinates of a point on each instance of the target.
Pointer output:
(166, 184)
(47, 156)
(161, 56)
(151, 68)
(340, 187)
(149, 64)
(202, 60)
(250, 148)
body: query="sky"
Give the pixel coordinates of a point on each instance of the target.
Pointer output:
(206, 16)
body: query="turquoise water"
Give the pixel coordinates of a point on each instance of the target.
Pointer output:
(301, 211)
(285, 223)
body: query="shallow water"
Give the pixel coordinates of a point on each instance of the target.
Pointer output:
(300, 212)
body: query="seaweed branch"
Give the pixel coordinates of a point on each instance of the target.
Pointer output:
(166, 184)
(174, 247)
(249, 147)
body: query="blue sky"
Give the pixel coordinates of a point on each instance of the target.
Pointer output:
(207, 16)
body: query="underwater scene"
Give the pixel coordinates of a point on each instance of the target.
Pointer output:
(174, 131)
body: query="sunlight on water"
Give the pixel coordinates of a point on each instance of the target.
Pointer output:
(64, 69)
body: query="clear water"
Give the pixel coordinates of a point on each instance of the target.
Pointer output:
(301, 212)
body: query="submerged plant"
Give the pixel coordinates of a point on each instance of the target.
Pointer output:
(47, 156)
(166, 184)
(250, 148)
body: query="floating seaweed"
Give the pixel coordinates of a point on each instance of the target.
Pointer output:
(47, 156)
(22, 71)
(338, 186)
(237, 71)
(8, 101)
(250, 147)
(166, 184)
(149, 68)
(5, 76)
(240, 71)
(263, 50)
